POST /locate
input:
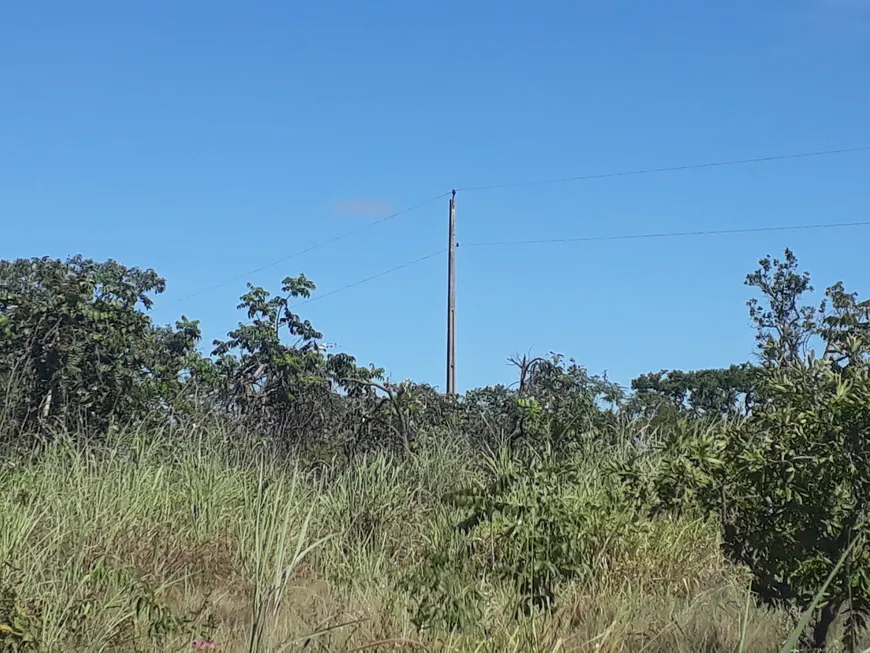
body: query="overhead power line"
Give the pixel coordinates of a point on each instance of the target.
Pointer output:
(371, 278)
(649, 171)
(407, 264)
(713, 164)
(585, 239)
(671, 234)
(247, 274)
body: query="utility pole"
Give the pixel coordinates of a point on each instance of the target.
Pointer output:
(451, 300)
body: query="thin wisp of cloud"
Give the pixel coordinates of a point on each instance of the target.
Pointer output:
(363, 207)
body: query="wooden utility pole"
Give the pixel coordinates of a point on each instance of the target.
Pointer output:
(451, 300)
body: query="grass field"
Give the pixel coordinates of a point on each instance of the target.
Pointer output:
(148, 544)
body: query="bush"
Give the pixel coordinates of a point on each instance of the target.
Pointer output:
(790, 483)
(75, 348)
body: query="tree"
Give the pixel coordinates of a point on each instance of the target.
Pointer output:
(283, 387)
(554, 398)
(699, 393)
(77, 346)
(784, 327)
(790, 484)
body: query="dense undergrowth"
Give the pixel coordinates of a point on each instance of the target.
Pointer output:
(274, 497)
(143, 545)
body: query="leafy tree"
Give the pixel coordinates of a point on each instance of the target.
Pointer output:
(288, 388)
(76, 344)
(784, 326)
(699, 393)
(554, 399)
(790, 483)
(267, 372)
(78, 349)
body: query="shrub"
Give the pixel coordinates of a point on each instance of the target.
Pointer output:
(790, 483)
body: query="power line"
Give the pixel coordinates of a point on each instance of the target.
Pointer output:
(648, 171)
(300, 253)
(671, 234)
(585, 239)
(372, 278)
(384, 273)
(545, 181)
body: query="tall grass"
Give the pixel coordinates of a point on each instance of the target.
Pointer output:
(159, 540)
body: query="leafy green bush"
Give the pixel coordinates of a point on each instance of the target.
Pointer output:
(530, 523)
(555, 401)
(75, 348)
(790, 483)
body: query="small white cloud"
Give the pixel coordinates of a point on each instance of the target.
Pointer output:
(361, 206)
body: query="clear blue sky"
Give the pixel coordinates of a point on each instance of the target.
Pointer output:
(207, 139)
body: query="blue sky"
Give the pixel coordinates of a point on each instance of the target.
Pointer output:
(206, 140)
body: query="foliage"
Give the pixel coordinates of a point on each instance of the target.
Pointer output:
(18, 627)
(77, 346)
(528, 523)
(555, 402)
(791, 482)
(281, 387)
(74, 345)
(784, 326)
(712, 393)
(783, 441)
(533, 527)
(441, 595)
(181, 515)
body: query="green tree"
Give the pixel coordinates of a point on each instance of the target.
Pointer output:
(791, 482)
(784, 325)
(77, 346)
(699, 393)
(290, 388)
(554, 399)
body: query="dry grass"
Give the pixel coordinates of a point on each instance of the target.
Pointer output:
(146, 546)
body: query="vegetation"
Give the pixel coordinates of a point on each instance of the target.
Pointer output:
(275, 496)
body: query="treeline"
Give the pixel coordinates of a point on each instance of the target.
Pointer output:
(778, 450)
(78, 350)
